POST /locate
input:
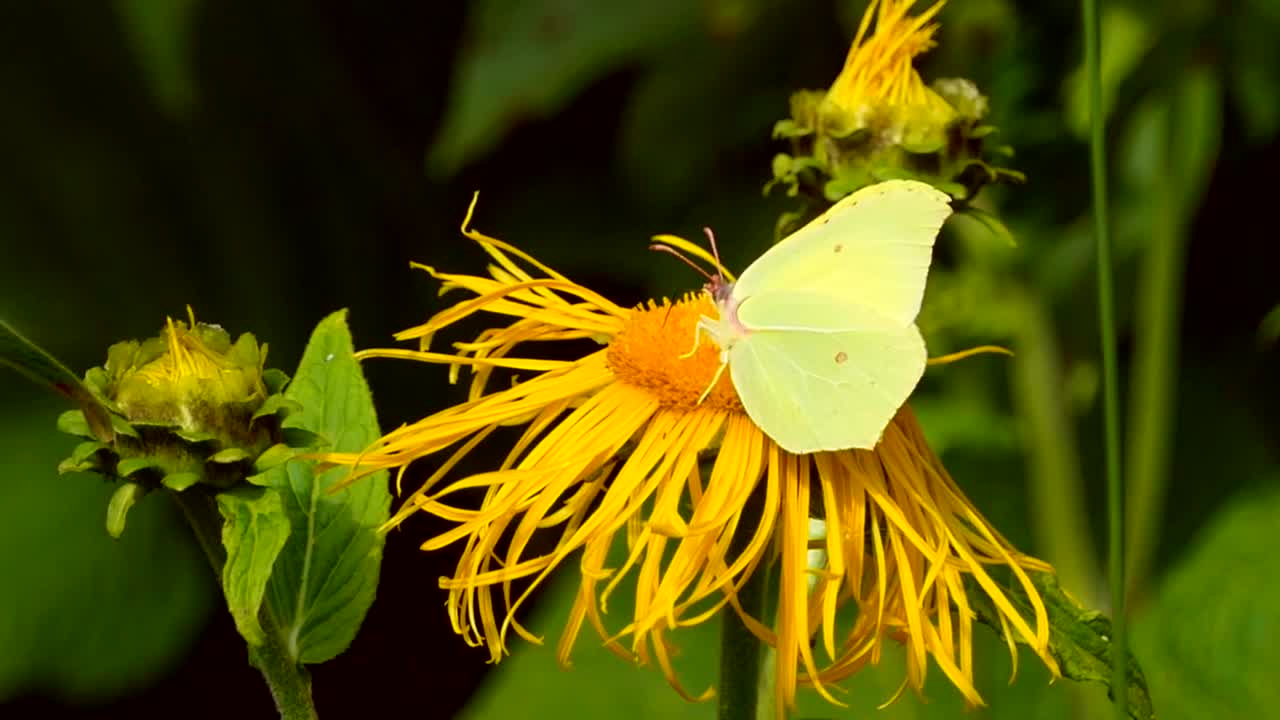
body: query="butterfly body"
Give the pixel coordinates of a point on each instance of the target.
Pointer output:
(819, 333)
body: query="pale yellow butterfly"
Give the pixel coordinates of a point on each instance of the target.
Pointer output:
(819, 333)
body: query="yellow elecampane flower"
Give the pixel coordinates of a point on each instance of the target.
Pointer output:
(878, 88)
(616, 449)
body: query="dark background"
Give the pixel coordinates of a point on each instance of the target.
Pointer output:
(268, 163)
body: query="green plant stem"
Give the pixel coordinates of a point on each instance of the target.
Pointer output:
(1059, 516)
(1110, 365)
(740, 696)
(1154, 373)
(290, 683)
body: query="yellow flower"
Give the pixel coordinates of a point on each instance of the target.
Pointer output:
(616, 449)
(878, 87)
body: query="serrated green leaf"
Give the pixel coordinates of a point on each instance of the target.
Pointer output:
(327, 574)
(1079, 639)
(35, 363)
(178, 482)
(1210, 639)
(230, 455)
(254, 531)
(122, 500)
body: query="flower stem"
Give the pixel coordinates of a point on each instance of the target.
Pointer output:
(1110, 366)
(740, 650)
(289, 682)
(1060, 518)
(1154, 371)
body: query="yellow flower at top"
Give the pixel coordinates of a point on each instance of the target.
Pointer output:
(878, 88)
(615, 454)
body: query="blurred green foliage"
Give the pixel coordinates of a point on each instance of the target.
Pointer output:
(268, 164)
(81, 614)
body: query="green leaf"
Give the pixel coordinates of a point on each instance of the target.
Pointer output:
(72, 422)
(122, 500)
(1269, 328)
(230, 455)
(1197, 134)
(83, 458)
(160, 35)
(128, 467)
(992, 223)
(326, 577)
(273, 456)
(275, 380)
(530, 58)
(32, 361)
(180, 481)
(195, 436)
(1210, 639)
(277, 405)
(254, 531)
(1079, 639)
(122, 427)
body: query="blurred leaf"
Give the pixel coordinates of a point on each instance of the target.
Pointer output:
(531, 684)
(254, 531)
(1254, 72)
(1211, 640)
(83, 616)
(1126, 37)
(1197, 134)
(161, 34)
(598, 684)
(529, 58)
(327, 575)
(700, 101)
(951, 422)
(1269, 328)
(991, 223)
(1079, 639)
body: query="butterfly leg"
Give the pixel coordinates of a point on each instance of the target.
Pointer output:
(705, 325)
(724, 363)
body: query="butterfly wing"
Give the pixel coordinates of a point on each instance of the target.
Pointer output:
(812, 390)
(874, 245)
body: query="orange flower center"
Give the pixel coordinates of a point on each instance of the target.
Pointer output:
(649, 353)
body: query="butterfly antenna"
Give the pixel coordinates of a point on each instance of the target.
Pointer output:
(715, 252)
(672, 251)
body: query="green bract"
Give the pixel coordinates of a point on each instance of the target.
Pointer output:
(188, 406)
(833, 154)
